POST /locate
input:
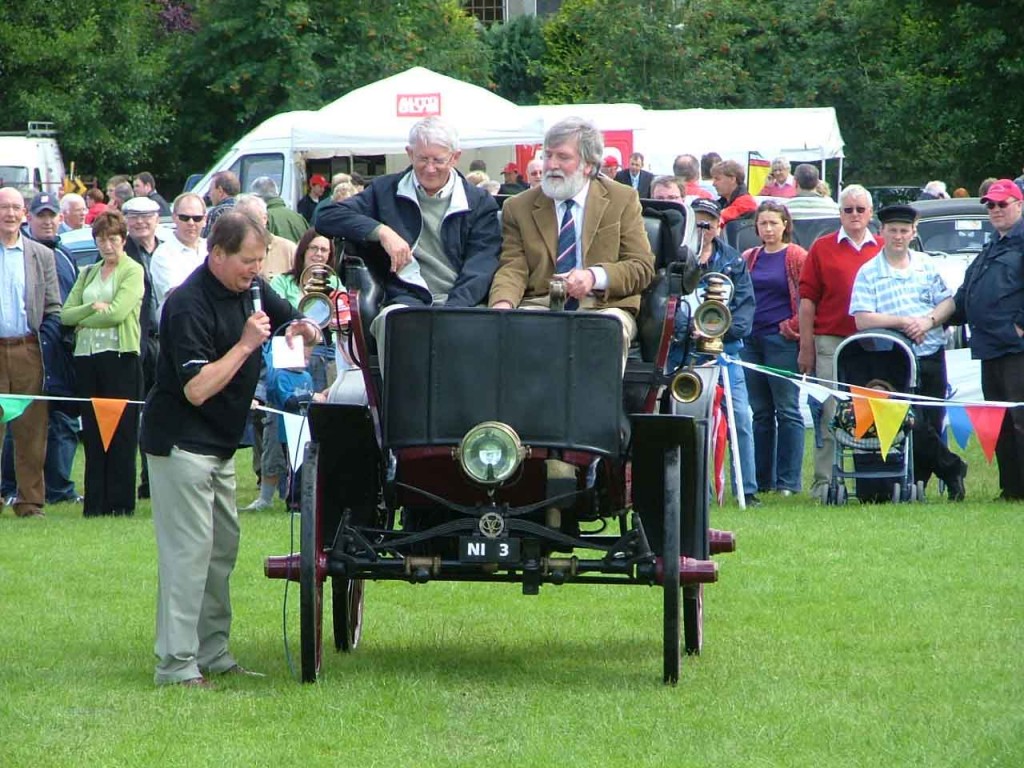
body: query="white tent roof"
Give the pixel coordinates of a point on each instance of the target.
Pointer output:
(376, 118)
(607, 117)
(801, 134)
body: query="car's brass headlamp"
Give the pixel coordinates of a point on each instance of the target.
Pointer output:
(490, 453)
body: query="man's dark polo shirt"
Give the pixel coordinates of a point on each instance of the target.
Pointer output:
(201, 321)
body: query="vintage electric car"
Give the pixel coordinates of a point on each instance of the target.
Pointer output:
(508, 446)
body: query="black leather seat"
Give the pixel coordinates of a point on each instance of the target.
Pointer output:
(741, 234)
(355, 275)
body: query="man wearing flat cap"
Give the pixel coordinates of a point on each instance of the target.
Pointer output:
(142, 216)
(901, 289)
(991, 302)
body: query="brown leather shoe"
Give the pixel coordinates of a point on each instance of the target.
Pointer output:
(28, 510)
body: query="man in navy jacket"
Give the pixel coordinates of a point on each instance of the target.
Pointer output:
(428, 235)
(991, 302)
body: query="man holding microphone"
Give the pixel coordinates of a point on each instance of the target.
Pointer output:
(212, 328)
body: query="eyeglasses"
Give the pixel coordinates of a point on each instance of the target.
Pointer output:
(1002, 204)
(857, 208)
(318, 249)
(186, 217)
(437, 162)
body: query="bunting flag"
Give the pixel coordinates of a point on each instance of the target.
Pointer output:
(959, 425)
(108, 415)
(987, 422)
(815, 391)
(12, 407)
(297, 434)
(889, 416)
(719, 440)
(863, 414)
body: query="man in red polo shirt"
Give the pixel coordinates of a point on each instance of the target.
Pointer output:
(826, 283)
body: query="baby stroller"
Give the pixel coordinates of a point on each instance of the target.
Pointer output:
(860, 359)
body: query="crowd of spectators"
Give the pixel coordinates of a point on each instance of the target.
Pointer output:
(796, 311)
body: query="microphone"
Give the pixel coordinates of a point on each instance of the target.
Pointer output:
(257, 300)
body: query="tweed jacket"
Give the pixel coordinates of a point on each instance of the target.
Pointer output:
(613, 238)
(42, 291)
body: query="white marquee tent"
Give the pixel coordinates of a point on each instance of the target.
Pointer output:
(376, 118)
(803, 135)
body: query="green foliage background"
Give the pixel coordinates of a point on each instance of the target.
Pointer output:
(923, 88)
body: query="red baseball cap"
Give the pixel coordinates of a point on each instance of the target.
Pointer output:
(1004, 189)
(610, 160)
(316, 178)
(510, 168)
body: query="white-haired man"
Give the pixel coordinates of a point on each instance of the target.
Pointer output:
(72, 212)
(826, 284)
(429, 236)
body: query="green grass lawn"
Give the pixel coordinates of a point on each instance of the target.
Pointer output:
(887, 635)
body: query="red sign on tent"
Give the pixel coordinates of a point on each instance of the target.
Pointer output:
(418, 105)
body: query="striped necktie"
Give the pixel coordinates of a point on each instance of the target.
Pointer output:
(566, 260)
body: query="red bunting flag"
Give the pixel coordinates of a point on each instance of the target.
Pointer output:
(987, 421)
(719, 439)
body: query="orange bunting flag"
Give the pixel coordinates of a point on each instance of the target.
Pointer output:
(987, 421)
(863, 417)
(108, 416)
(889, 415)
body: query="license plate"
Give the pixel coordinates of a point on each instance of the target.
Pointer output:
(476, 549)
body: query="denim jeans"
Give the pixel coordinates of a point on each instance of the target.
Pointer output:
(61, 444)
(778, 426)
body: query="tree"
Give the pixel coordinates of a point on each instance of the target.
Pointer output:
(97, 69)
(247, 62)
(516, 50)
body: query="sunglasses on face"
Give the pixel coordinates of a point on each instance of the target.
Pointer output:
(1002, 204)
(857, 208)
(186, 217)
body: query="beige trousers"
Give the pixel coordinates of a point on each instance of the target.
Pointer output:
(197, 544)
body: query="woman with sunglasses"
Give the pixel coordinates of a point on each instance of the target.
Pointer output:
(773, 342)
(103, 308)
(177, 257)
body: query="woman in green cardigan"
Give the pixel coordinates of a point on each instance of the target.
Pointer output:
(103, 308)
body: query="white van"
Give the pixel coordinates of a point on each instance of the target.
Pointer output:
(32, 159)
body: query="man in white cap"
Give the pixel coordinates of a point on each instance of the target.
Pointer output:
(142, 215)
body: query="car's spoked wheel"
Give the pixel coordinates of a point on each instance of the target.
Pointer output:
(670, 566)
(693, 619)
(347, 595)
(311, 572)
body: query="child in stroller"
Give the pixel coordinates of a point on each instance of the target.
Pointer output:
(876, 360)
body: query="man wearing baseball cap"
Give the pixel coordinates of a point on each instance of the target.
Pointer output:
(317, 187)
(991, 302)
(512, 185)
(716, 255)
